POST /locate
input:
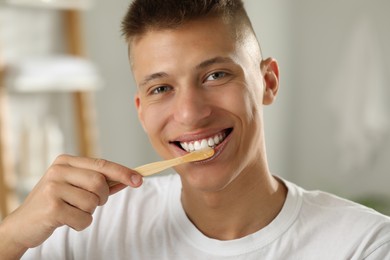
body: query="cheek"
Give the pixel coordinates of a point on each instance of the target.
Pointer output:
(152, 119)
(243, 103)
(155, 118)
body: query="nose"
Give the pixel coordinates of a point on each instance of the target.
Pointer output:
(191, 107)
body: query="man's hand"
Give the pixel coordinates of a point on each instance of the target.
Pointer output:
(67, 194)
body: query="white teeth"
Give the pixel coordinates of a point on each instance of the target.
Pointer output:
(197, 145)
(210, 142)
(203, 143)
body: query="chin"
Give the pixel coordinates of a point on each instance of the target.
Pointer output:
(205, 178)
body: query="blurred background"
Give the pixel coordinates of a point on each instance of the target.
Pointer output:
(328, 129)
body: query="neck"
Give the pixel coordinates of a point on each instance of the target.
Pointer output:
(245, 206)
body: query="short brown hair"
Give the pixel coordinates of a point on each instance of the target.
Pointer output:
(145, 15)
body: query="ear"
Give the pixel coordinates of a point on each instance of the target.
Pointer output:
(270, 71)
(138, 106)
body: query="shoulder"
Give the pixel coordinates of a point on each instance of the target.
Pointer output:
(320, 201)
(345, 213)
(329, 204)
(337, 219)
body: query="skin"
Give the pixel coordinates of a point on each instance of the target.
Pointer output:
(194, 82)
(182, 75)
(67, 194)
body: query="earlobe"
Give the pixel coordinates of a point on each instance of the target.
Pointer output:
(270, 71)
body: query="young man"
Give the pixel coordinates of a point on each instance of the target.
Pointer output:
(201, 81)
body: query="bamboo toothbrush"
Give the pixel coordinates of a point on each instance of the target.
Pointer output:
(155, 167)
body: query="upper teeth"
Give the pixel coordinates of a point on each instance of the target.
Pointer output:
(203, 143)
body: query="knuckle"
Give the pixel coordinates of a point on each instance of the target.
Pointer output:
(93, 202)
(61, 158)
(83, 223)
(54, 169)
(98, 181)
(100, 163)
(53, 207)
(103, 200)
(50, 189)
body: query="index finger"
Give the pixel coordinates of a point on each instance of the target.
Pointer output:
(111, 170)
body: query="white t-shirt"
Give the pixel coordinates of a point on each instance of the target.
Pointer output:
(150, 223)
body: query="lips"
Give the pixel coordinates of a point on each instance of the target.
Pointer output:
(199, 144)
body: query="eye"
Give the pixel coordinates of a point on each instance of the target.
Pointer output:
(160, 89)
(216, 75)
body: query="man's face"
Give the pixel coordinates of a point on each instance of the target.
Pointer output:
(198, 86)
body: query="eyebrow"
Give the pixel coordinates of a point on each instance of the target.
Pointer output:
(213, 61)
(157, 75)
(202, 65)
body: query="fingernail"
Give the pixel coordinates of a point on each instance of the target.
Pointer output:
(136, 179)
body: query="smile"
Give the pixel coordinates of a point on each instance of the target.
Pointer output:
(212, 141)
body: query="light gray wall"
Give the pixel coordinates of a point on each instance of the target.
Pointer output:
(326, 33)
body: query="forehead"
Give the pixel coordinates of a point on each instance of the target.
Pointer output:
(206, 31)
